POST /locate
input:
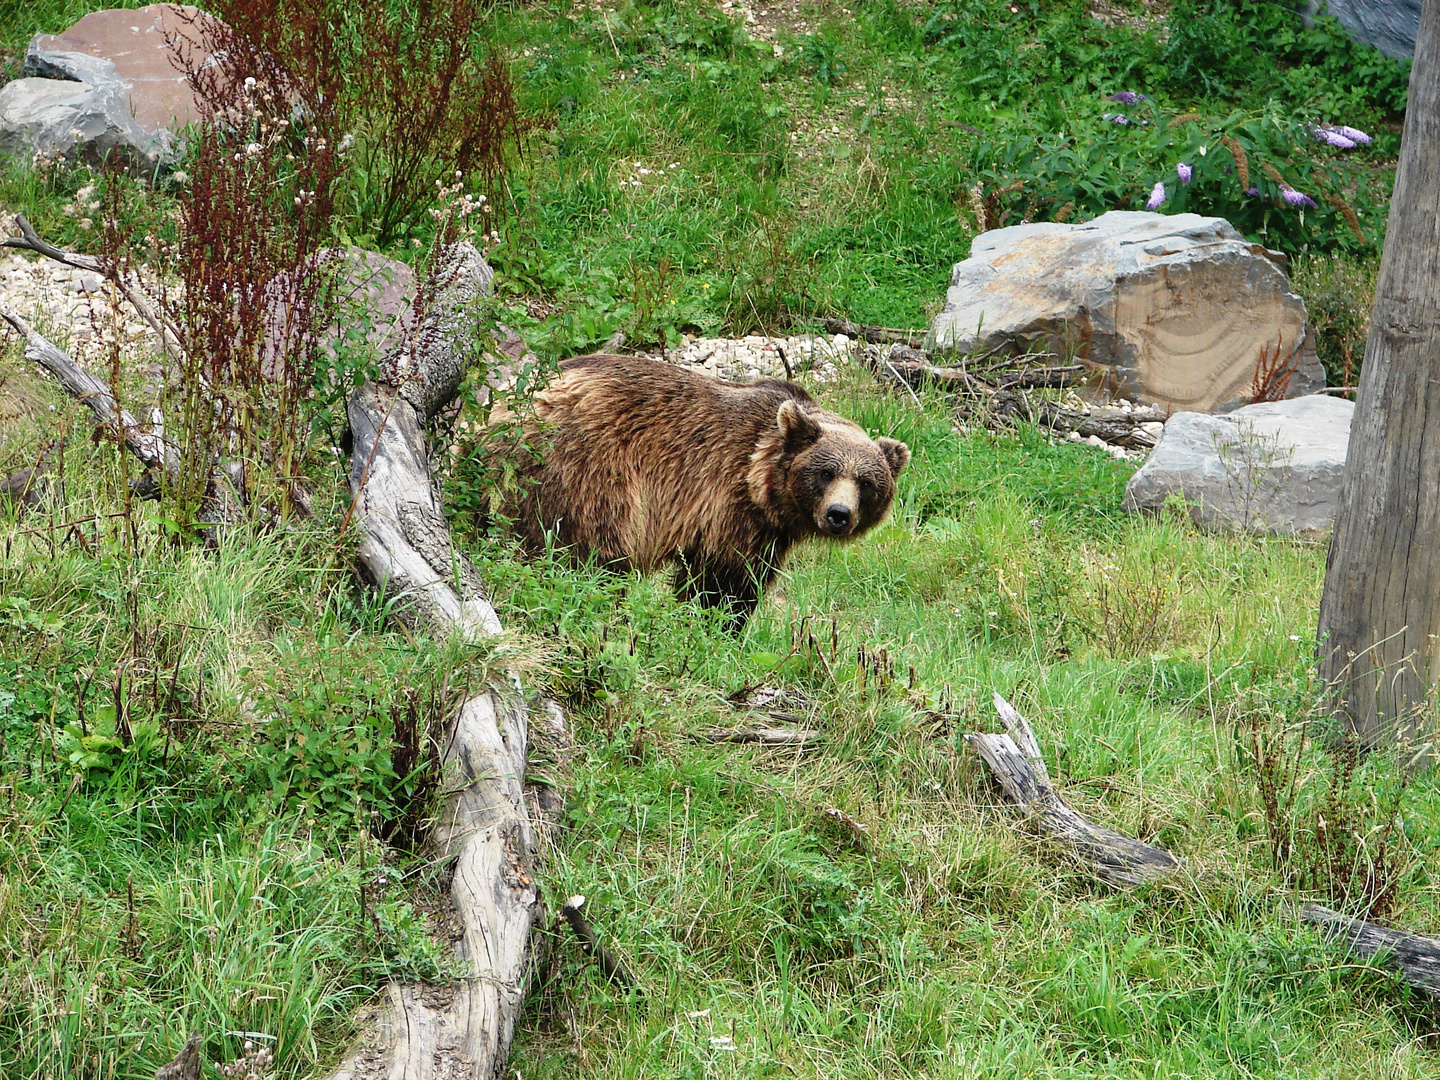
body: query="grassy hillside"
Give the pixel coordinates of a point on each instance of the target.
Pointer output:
(212, 760)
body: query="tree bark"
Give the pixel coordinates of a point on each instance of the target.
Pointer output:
(1380, 611)
(1414, 956)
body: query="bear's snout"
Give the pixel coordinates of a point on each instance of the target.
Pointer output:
(837, 511)
(839, 520)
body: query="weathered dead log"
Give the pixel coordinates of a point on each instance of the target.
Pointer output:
(1015, 761)
(912, 368)
(1110, 424)
(878, 335)
(463, 1029)
(1415, 957)
(146, 443)
(767, 736)
(1047, 378)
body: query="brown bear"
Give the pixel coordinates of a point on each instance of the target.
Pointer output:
(644, 464)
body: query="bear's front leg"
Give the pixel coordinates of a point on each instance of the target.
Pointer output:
(736, 588)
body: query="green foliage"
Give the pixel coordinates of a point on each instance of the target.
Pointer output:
(1339, 296)
(1240, 166)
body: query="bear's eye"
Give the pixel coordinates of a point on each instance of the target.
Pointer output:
(827, 476)
(866, 484)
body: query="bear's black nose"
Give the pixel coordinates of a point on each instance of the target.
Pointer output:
(838, 517)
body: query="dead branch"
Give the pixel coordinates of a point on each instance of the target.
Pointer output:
(1015, 761)
(614, 968)
(147, 444)
(768, 736)
(1110, 424)
(878, 335)
(858, 834)
(28, 488)
(1415, 957)
(911, 368)
(29, 240)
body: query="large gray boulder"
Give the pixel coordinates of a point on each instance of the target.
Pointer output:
(112, 83)
(57, 119)
(1176, 310)
(1389, 25)
(1271, 468)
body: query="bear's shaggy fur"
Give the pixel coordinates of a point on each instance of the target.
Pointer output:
(645, 465)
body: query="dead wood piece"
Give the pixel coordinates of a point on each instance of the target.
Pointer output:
(768, 736)
(1015, 761)
(1111, 425)
(905, 369)
(613, 967)
(147, 444)
(858, 834)
(1049, 378)
(462, 1029)
(29, 240)
(1414, 956)
(878, 335)
(27, 489)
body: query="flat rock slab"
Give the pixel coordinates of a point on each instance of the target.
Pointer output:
(113, 82)
(1273, 468)
(1178, 310)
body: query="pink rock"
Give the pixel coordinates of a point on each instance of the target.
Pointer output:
(147, 49)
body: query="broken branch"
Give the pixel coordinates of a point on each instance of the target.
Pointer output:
(1015, 761)
(147, 445)
(613, 967)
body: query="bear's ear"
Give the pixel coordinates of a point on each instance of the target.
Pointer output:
(897, 454)
(796, 425)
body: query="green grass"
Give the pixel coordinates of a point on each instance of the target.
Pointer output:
(954, 944)
(208, 872)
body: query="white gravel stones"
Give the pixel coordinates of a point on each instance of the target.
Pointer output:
(72, 308)
(813, 356)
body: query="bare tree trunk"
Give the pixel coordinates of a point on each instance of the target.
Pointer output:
(1380, 612)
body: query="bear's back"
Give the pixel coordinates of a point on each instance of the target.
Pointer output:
(643, 459)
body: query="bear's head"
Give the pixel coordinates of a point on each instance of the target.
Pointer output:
(816, 473)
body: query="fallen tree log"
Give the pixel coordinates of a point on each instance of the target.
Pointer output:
(463, 1029)
(1414, 956)
(1014, 760)
(1110, 424)
(766, 736)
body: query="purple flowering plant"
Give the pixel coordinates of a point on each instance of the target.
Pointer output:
(1258, 171)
